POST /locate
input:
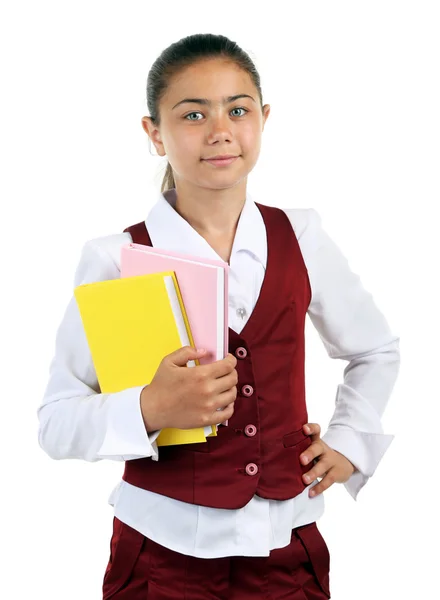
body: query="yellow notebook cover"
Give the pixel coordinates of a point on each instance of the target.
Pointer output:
(131, 324)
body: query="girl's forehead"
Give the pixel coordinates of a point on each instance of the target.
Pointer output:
(213, 80)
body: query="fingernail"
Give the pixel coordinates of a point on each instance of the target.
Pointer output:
(305, 460)
(307, 478)
(312, 493)
(307, 428)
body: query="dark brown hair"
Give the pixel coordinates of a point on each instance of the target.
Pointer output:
(184, 53)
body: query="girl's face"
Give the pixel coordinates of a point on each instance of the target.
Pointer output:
(199, 120)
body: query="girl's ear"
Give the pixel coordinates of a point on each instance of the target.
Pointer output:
(266, 111)
(153, 133)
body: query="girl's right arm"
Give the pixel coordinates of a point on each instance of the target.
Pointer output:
(75, 419)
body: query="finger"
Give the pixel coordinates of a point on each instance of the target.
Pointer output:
(313, 451)
(226, 398)
(225, 383)
(319, 469)
(312, 428)
(228, 404)
(324, 484)
(233, 359)
(219, 368)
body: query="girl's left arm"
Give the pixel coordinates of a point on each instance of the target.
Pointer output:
(351, 328)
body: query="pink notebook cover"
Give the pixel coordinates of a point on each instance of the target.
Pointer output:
(200, 286)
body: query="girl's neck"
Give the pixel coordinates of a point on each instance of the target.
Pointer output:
(214, 214)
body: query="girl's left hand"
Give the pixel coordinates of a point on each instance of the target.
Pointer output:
(331, 465)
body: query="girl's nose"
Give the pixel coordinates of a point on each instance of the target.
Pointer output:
(220, 129)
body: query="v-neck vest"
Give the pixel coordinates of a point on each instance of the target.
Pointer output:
(258, 451)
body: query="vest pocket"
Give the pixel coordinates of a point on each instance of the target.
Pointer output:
(318, 553)
(297, 439)
(296, 442)
(125, 547)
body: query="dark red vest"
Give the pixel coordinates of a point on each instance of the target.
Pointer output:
(258, 452)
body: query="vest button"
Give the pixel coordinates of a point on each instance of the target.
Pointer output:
(241, 352)
(250, 430)
(251, 469)
(247, 390)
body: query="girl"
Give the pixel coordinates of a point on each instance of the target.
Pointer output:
(235, 517)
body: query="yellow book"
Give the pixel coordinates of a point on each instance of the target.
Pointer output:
(131, 324)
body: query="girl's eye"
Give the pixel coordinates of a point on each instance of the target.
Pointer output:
(199, 113)
(190, 114)
(240, 108)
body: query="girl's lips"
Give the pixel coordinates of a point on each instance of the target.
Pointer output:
(221, 162)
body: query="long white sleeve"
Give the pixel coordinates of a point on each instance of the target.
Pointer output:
(75, 419)
(351, 328)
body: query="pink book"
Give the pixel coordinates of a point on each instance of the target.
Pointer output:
(203, 284)
(204, 287)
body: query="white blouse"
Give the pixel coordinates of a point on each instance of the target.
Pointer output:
(76, 421)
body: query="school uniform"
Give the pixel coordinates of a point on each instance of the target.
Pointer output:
(231, 518)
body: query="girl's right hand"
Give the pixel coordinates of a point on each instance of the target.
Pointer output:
(188, 397)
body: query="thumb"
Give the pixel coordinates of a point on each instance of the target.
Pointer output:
(181, 356)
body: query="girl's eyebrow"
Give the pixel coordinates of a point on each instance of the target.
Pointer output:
(208, 102)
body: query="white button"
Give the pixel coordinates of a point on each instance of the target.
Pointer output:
(241, 312)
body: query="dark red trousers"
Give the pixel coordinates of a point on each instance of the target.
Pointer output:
(140, 569)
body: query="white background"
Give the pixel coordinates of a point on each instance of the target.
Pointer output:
(354, 132)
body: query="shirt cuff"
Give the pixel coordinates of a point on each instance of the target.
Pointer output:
(363, 449)
(126, 437)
